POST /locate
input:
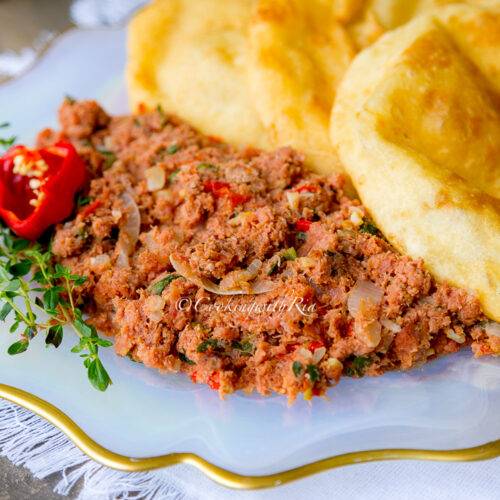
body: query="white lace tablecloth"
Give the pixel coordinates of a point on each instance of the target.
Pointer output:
(28, 440)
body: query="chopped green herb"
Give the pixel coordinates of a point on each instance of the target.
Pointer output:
(274, 267)
(207, 166)
(137, 123)
(4, 125)
(81, 200)
(69, 99)
(368, 227)
(206, 344)
(481, 324)
(110, 158)
(58, 287)
(301, 236)
(245, 347)
(173, 149)
(297, 368)
(7, 143)
(358, 365)
(199, 325)
(159, 286)
(314, 373)
(185, 359)
(86, 143)
(289, 254)
(165, 118)
(173, 175)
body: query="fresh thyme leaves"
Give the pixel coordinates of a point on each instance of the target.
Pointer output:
(6, 143)
(69, 99)
(206, 344)
(19, 257)
(246, 347)
(159, 286)
(4, 125)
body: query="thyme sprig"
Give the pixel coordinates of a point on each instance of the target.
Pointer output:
(30, 284)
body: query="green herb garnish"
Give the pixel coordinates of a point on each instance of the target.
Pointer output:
(358, 365)
(368, 227)
(301, 236)
(172, 176)
(297, 368)
(19, 257)
(173, 149)
(206, 344)
(289, 254)
(185, 359)
(207, 166)
(69, 99)
(245, 347)
(165, 118)
(314, 373)
(137, 123)
(159, 286)
(274, 267)
(110, 158)
(81, 200)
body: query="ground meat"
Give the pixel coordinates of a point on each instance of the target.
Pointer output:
(219, 210)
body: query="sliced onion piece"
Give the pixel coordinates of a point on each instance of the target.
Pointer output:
(155, 178)
(493, 328)
(392, 326)
(251, 288)
(363, 292)
(235, 279)
(129, 231)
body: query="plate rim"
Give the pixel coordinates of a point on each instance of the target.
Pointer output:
(222, 476)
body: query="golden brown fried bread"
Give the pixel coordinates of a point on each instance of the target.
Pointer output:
(417, 126)
(190, 56)
(298, 54)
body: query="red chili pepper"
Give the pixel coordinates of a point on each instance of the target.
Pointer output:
(314, 345)
(303, 225)
(214, 381)
(308, 188)
(90, 209)
(214, 138)
(193, 377)
(38, 187)
(221, 190)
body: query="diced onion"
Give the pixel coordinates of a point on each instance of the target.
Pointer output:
(244, 287)
(493, 328)
(318, 354)
(371, 335)
(129, 231)
(155, 178)
(453, 335)
(293, 200)
(392, 326)
(363, 292)
(100, 262)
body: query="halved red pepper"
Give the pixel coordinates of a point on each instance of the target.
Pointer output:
(38, 187)
(222, 190)
(307, 188)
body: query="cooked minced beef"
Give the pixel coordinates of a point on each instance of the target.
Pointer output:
(340, 299)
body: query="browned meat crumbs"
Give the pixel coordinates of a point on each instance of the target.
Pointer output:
(241, 268)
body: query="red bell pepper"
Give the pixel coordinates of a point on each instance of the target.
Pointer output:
(221, 190)
(303, 225)
(38, 187)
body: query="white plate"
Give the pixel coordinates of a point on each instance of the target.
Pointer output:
(451, 403)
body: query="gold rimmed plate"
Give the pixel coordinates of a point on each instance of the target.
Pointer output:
(447, 410)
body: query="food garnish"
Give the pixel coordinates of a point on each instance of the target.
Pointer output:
(38, 187)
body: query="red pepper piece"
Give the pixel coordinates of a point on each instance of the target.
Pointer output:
(214, 381)
(307, 188)
(221, 190)
(303, 225)
(38, 187)
(193, 377)
(90, 209)
(314, 345)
